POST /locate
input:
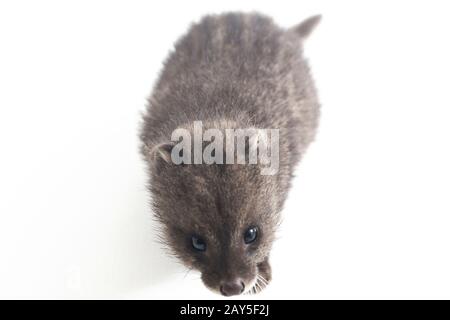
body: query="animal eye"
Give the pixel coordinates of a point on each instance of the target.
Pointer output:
(250, 235)
(198, 243)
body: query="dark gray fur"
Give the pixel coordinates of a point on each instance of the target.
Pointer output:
(230, 71)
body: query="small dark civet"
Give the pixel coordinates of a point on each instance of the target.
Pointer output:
(229, 71)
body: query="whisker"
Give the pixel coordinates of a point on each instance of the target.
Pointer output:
(263, 280)
(258, 286)
(259, 278)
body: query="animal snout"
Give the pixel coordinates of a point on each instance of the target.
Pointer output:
(232, 288)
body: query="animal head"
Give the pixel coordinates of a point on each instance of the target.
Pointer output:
(219, 219)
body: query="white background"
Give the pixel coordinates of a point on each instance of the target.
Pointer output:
(369, 212)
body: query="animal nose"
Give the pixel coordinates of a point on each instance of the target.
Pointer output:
(231, 288)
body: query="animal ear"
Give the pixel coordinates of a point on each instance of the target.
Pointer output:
(305, 28)
(161, 153)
